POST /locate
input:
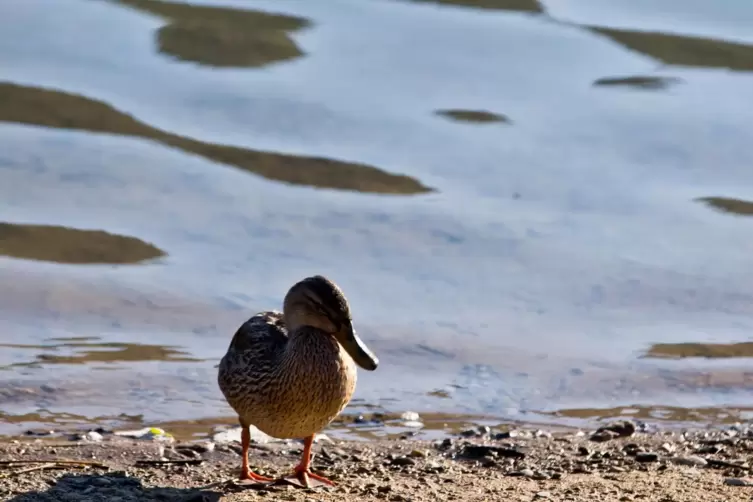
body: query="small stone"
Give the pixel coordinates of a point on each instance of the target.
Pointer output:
(524, 473)
(483, 430)
(623, 428)
(203, 447)
(417, 454)
(468, 433)
(668, 447)
(583, 451)
(434, 467)
(646, 457)
(691, 460)
(603, 436)
(542, 495)
(93, 436)
(401, 461)
(503, 435)
(737, 482)
(473, 451)
(187, 452)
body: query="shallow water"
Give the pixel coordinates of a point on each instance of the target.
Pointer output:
(533, 207)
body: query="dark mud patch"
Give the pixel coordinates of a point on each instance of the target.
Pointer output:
(647, 83)
(681, 50)
(221, 36)
(473, 116)
(728, 205)
(513, 5)
(60, 244)
(88, 352)
(49, 108)
(657, 414)
(702, 350)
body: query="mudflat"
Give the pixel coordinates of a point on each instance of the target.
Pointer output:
(617, 463)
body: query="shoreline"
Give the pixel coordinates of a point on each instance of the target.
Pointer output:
(619, 462)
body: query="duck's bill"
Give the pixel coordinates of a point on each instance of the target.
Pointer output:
(360, 352)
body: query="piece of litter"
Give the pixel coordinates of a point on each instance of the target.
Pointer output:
(410, 416)
(147, 433)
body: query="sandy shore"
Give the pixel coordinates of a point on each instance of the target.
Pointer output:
(482, 465)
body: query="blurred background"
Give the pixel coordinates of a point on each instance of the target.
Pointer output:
(539, 210)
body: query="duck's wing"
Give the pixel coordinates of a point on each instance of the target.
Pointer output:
(264, 330)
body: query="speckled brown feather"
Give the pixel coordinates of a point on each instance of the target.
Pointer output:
(287, 385)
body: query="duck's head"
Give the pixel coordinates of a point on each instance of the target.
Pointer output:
(317, 302)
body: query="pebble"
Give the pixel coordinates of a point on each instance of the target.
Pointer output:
(542, 495)
(603, 436)
(526, 473)
(403, 461)
(646, 457)
(623, 428)
(691, 460)
(737, 482)
(474, 451)
(668, 447)
(92, 436)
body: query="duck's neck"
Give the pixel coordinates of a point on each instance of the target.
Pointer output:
(311, 347)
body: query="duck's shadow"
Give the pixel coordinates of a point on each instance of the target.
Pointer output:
(113, 486)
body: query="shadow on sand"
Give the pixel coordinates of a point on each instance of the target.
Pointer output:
(113, 486)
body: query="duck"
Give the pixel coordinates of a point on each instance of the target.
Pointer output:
(290, 373)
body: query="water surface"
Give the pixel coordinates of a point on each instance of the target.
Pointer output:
(522, 201)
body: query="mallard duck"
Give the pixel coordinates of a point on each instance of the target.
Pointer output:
(291, 373)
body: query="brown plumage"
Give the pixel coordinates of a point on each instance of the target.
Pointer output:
(291, 373)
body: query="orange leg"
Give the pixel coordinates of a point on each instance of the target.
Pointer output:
(246, 473)
(303, 472)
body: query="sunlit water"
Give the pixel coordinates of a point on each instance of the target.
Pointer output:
(519, 199)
